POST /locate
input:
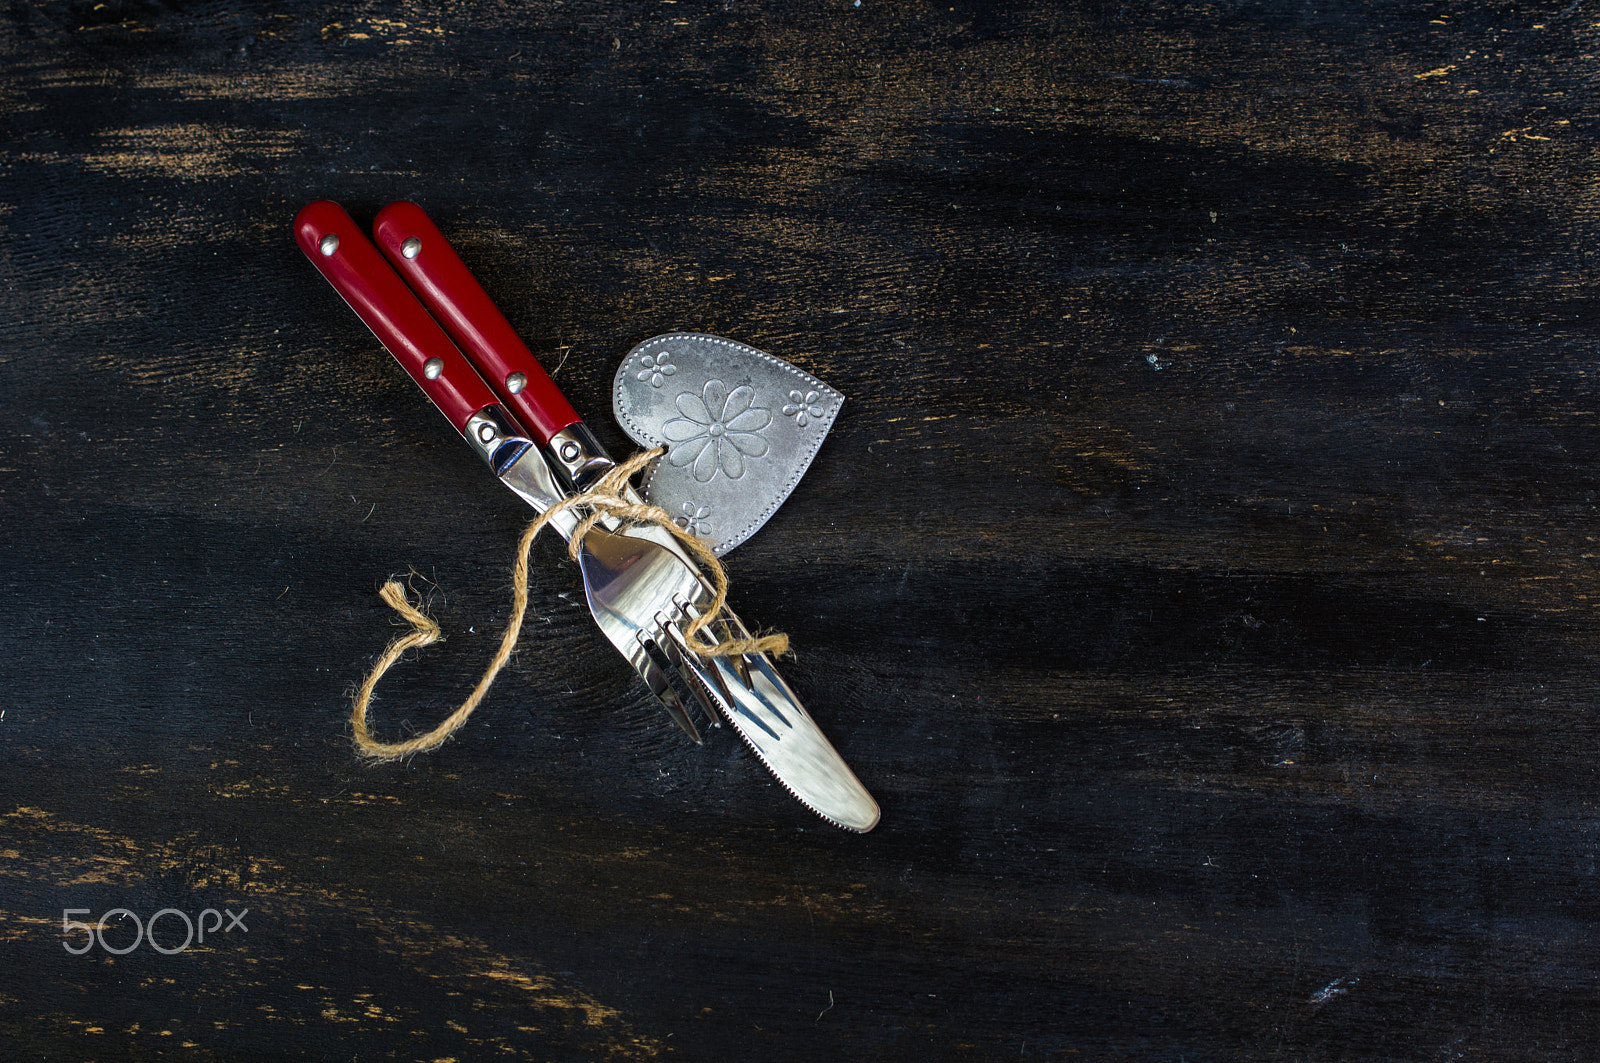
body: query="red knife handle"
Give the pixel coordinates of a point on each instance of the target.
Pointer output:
(343, 254)
(433, 269)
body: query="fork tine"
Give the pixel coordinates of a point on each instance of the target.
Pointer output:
(660, 676)
(708, 677)
(730, 628)
(740, 662)
(672, 644)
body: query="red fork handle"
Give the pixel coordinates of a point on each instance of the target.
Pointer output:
(435, 272)
(342, 253)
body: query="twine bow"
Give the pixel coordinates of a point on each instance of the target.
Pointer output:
(603, 499)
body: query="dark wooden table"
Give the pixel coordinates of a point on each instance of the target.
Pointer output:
(1202, 572)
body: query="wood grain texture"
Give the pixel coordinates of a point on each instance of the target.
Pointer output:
(1202, 571)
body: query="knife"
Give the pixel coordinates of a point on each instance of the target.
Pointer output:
(746, 688)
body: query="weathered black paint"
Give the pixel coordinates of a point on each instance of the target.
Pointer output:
(1201, 572)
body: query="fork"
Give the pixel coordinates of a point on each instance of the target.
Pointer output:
(350, 262)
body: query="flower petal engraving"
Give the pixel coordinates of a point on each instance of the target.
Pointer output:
(715, 394)
(739, 400)
(705, 463)
(690, 406)
(687, 451)
(746, 443)
(752, 420)
(680, 428)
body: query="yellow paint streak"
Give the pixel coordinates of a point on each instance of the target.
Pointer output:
(192, 151)
(388, 30)
(14, 927)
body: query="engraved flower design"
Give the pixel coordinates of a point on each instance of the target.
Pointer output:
(655, 369)
(803, 408)
(718, 430)
(694, 520)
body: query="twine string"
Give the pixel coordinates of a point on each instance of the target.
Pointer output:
(603, 499)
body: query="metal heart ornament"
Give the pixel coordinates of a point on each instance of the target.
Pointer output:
(740, 427)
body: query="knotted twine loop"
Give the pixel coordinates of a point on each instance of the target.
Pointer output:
(605, 498)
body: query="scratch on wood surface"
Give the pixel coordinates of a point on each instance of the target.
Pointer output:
(1336, 988)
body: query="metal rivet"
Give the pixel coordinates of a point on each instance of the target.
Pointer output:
(432, 368)
(411, 247)
(486, 433)
(570, 451)
(516, 382)
(328, 244)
